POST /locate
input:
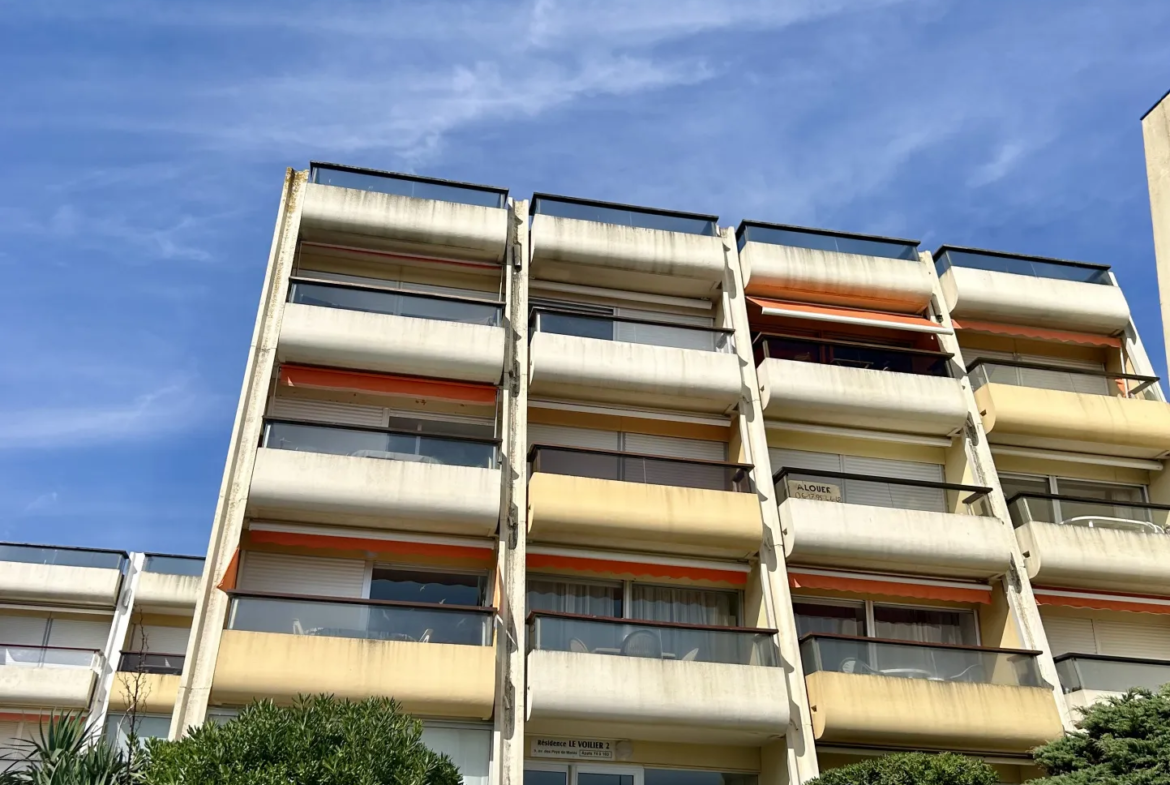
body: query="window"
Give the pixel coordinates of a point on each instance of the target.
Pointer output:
(919, 495)
(405, 585)
(685, 605)
(1120, 505)
(832, 618)
(889, 621)
(583, 599)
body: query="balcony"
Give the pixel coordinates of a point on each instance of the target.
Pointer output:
(642, 502)
(823, 528)
(66, 576)
(1057, 408)
(833, 268)
(47, 676)
(877, 692)
(381, 478)
(1085, 543)
(437, 660)
(169, 584)
(616, 246)
(858, 385)
(1030, 291)
(1088, 678)
(397, 212)
(155, 678)
(653, 680)
(636, 362)
(348, 325)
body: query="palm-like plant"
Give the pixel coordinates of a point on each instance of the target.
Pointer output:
(68, 752)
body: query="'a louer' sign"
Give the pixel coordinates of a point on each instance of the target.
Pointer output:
(577, 749)
(810, 489)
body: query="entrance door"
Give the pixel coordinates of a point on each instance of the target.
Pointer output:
(594, 774)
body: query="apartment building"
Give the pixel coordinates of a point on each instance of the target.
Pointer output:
(612, 495)
(95, 631)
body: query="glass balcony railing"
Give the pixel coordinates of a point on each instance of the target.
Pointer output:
(1055, 377)
(623, 215)
(634, 467)
(643, 331)
(823, 240)
(851, 354)
(48, 656)
(923, 661)
(381, 443)
(893, 492)
(657, 640)
(150, 662)
(394, 302)
(1091, 513)
(407, 185)
(1032, 266)
(167, 564)
(63, 556)
(1110, 674)
(376, 620)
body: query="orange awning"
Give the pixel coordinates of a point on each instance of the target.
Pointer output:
(439, 550)
(890, 587)
(1130, 603)
(231, 574)
(634, 569)
(385, 384)
(1037, 333)
(838, 315)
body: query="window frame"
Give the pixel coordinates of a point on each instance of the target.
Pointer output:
(870, 623)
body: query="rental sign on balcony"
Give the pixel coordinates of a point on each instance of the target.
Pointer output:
(811, 489)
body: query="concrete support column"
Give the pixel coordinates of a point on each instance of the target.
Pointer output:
(212, 604)
(1017, 588)
(1156, 134)
(799, 763)
(99, 703)
(510, 634)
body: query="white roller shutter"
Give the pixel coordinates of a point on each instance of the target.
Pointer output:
(1147, 638)
(76, 634)
(327, 412)
(281, 573)
(679, 474)
(1069, 635)
(901, 497)
(160, 640)
(573, 437)
(663, 335)
(23, 630)
(10, 736)
(804, 459)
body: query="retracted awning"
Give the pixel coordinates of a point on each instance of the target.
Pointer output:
(921, 589)
(1037, 333)
(838, 315)
(311, 377)
(1131, 603)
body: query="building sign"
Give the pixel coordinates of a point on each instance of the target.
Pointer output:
(575, 749)
(809, 489)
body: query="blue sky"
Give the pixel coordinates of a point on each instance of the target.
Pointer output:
(145, 145)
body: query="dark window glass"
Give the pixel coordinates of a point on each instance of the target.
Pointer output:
(824, 241)
(623, 216)
(532, 777)
(834, 619)
(924, 625)
(688, 777)
(402, 186)
(1035, 268)
(435, 587)
(585, 599)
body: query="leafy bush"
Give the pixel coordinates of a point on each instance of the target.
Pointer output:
(67, 752)
(317, 741)
(1122, 741)
(912, 768)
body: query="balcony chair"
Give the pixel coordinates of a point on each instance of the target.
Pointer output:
(642, 643)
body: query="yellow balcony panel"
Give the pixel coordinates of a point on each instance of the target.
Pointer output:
(1077, 422)
(862, 537)
(655, 699)
(849, 708)
(638, 516)
(569, 250)
(156, 692)
(348, 216)
(835, 278)
(591, 369)
(344, 489)
(341, 338)
(861, 397)
(432, 679)
(1080, 557)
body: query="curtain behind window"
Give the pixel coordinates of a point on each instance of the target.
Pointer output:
(585, 599)
(685, 606)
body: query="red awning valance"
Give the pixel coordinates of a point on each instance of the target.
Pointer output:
(315, 378)
(1130, 603)
(889, 587)
(634, 569)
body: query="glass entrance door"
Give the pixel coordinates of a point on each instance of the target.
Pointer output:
(596, 774)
